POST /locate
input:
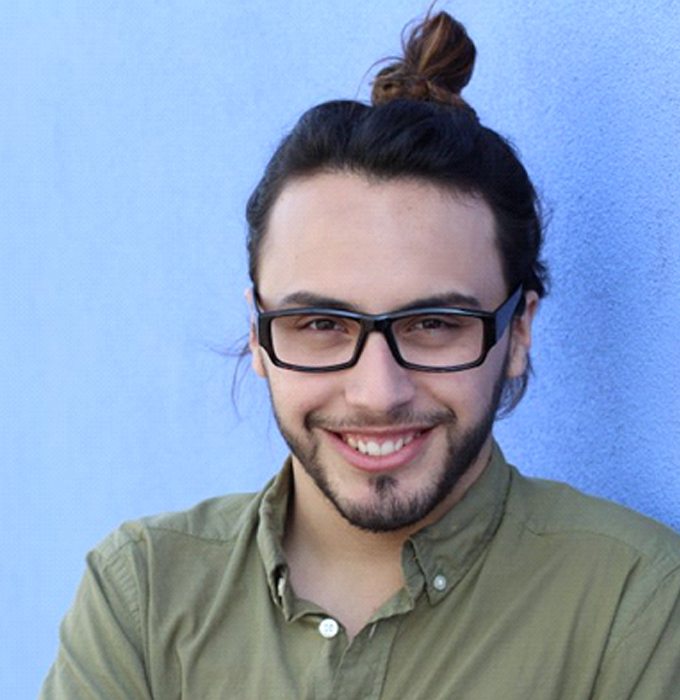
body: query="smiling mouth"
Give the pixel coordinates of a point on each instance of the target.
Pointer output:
(375, 447)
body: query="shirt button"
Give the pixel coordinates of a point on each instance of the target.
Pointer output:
(328, 628)
(440, 582)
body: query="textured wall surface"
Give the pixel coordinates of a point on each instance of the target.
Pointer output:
(131, 136)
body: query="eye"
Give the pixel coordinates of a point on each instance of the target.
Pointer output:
(434, 324)
(324, 324)
(434, 330)
(321, 324)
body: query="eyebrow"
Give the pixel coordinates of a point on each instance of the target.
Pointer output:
(446, 299)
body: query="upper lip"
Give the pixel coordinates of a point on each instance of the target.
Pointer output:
(380, 433)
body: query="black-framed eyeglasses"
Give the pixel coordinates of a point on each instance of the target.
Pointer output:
(429, 339)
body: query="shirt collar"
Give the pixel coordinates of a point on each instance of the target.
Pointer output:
(444, 551)
(270, 531)
(434, 558)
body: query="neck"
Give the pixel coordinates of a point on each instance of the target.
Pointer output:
(315, 524)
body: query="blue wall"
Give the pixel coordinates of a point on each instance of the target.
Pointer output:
(131, 134)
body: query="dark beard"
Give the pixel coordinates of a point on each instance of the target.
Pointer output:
(393, 512)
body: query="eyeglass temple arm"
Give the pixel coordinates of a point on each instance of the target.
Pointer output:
(514, 306)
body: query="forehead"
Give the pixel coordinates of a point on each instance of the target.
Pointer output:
(378, 244)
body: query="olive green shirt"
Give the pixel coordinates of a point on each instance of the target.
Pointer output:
(525, 590)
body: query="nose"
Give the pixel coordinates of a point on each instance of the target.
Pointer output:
(377, 383)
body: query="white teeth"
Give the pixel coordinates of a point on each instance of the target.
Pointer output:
(375, 449)
(387, 448)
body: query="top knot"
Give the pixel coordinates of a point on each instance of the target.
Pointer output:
(437, 64)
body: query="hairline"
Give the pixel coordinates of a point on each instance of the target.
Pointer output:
(456, 191)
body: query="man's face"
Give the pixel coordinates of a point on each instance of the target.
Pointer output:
(375, 247)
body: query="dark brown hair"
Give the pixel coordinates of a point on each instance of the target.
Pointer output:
(417, 126)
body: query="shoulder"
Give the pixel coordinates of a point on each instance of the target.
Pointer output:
(217, 521)
(554, 510)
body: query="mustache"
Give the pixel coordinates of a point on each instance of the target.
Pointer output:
(401, 417)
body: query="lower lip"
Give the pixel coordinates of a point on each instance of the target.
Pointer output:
(380, 463)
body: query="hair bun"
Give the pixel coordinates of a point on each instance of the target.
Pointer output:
(437, 64)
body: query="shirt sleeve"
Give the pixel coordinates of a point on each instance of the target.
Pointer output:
(645, 663)
(101, 651)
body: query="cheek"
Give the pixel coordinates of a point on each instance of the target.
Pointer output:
(298, 393)
(464, 393)
(470, 392)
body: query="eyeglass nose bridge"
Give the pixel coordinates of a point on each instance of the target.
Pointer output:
(382, 325)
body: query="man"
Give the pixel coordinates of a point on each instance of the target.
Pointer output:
(395, 259)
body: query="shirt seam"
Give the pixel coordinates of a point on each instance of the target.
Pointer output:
(109, 549)
(659, 560)
(204, 538)
(117, 567)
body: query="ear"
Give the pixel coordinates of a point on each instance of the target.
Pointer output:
(257, 361)
(520, 338)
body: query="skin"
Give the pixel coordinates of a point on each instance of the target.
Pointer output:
(378, 246)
